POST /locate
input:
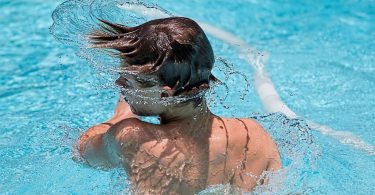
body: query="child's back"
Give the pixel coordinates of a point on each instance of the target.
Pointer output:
(162, 159)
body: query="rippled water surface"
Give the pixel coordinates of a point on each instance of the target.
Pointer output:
(321, 60)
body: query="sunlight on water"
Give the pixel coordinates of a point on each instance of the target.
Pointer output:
(73, 20)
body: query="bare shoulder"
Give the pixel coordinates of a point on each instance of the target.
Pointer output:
(126, 126)
(244, 141)
(131, 132)
(239, 128)
(248, 132)
(261, 144)
(257, 131)
(268, 146)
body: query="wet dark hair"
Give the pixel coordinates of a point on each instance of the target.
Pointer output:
(174, 49)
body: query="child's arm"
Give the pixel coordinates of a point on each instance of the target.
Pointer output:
(95, 146)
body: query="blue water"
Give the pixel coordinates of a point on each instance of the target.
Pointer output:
(321, 60)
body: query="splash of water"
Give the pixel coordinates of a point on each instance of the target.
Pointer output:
(263, 84)
(73, 20)
(268, 94)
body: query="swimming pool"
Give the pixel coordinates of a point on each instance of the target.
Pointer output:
(321, 61)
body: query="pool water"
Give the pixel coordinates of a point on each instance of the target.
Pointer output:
(321, 58)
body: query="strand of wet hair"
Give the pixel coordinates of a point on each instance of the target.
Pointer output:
(247, 143)
(227, 144)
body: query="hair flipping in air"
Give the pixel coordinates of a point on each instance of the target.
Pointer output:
(174, 49)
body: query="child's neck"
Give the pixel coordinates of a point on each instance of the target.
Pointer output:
(189, 116)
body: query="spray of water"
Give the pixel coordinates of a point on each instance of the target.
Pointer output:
(268, 94)
(73, 20)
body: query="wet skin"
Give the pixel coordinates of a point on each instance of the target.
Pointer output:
(190, 150)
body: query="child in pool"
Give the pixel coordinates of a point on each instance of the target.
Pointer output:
(191, 149)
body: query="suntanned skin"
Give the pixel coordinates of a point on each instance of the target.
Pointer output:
(190, 150)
